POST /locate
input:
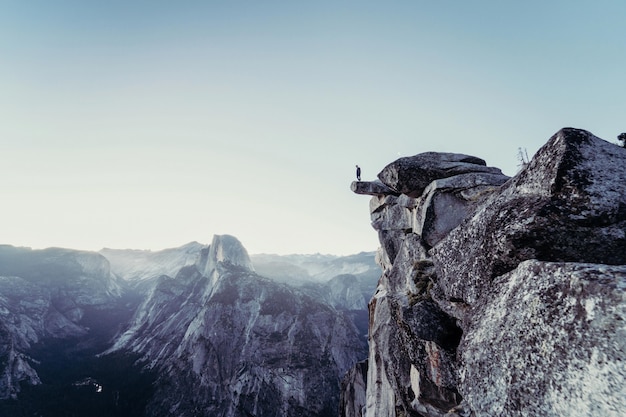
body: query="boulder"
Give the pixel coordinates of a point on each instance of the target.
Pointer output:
(568, 204)
(411, 175)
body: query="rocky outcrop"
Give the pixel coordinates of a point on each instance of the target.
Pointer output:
(445, 201)
(412, 360)
(569, 204)
(411, 175)
(226, 341)
(501, 297)
(353, 385)
(371, 188)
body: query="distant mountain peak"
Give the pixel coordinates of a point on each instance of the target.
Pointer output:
(226, 249)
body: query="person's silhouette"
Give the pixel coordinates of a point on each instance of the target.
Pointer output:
(358, 173)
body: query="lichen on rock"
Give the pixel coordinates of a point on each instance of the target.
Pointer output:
(547, 340)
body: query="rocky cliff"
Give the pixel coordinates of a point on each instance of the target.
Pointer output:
(228, 342)
(498, 296)
(188, 331)
(47, 294)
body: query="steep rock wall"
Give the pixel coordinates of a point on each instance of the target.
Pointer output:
(46, 294)
(499, 296)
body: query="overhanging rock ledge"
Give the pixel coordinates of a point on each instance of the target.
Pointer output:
(499, 296)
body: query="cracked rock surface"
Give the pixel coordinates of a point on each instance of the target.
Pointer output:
(498, 296)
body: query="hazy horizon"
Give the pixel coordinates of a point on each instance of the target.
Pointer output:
(104, 248)
(151, 124)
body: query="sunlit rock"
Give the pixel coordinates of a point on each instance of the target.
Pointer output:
(224, 249)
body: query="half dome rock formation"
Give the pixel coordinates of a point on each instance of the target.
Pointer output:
(187, 331)
(498, 296)
(228, 342)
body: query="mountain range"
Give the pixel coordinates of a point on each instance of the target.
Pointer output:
(189, 331)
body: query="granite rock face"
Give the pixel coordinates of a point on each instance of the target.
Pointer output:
(46, 294)
(411, 175)
(183, 331)
(501, 296)
(226, 341)
(353, 386)
(567, 205)
(15, 366)
(547, 341)
(371, 188)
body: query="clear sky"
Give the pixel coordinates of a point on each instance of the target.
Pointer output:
(149, 124)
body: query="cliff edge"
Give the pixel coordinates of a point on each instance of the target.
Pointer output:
(498, 296)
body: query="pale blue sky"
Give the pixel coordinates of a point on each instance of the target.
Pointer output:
(148, 124)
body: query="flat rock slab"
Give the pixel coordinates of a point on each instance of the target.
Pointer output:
(371, 188)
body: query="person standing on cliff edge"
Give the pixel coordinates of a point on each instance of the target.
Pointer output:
(358, 173)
